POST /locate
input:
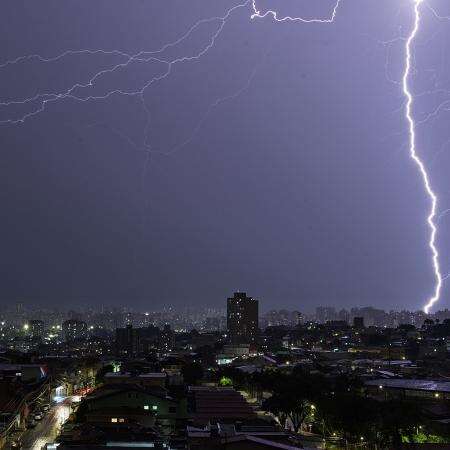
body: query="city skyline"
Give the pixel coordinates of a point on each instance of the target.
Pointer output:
(225, 225)
(116, 378)
(265, 307)
(22, 317)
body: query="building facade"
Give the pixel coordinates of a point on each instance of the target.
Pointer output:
(242, 319)
(36, 328)
(74, 329)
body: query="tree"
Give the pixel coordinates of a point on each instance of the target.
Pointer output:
(345, 383)
(100, 376)
(225, 381)
(406, 327)
(241, 380)
(427, 323)
(398, 419)
(261, 381)
(80, 413)
(192, 373)
(275, 405)
(350, 415)
(206, 354)
(294, 395)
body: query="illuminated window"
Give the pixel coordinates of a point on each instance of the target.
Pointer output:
(114, 419)
(146, 407)
(154, 407)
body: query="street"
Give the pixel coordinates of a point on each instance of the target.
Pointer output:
(48, 428)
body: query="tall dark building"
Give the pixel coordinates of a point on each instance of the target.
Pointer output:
(127, 341)
(133, 341)
(358, 322)
(242, 319)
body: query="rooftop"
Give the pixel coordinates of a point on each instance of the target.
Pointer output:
(217, 403)
(413, 384)
(129, 375)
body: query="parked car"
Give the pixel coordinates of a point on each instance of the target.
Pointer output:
(38, 416)
(45, 407)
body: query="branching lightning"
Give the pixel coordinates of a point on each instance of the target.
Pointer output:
(46, 98)
(38, 103)
(275, 16)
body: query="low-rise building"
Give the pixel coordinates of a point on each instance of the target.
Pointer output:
(153, 379)
(209, 404)
(154, 404)
(410, 388)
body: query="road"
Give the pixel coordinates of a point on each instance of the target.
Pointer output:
(48, 428)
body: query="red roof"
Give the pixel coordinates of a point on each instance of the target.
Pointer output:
(220, 404)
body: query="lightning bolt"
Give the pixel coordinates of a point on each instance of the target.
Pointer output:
(409, 118)
(275, 16)
(156, 56)
(417, 160)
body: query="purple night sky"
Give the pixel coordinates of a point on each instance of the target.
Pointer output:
(275, 163)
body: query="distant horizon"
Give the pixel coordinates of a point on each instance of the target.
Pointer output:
(200, 308)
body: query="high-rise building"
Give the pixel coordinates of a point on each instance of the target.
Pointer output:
(325, 313)
(166, 338)
(132, 341)
(36, 328)
(344, 315)
(74, 329)
(242, 319)
(127, 341)
(358, 322)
